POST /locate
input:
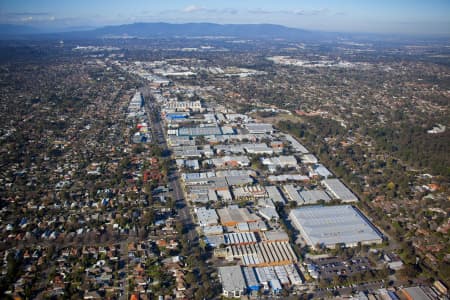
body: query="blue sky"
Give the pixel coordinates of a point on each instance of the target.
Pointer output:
(379, 16)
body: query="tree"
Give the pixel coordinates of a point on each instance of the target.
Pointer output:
(190, 278)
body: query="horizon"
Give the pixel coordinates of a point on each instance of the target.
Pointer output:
(384, 17)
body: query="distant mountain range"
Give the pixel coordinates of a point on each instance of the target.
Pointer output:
(161, 30)
(202, 29)
(168, 30)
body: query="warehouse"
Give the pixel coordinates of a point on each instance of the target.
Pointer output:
(313, 196)
(199, 131)
(275, 236)
(233, 282)
(287, 177)
(260, 148)
(229, 161)
(321, 170)
(296, 145)
(263, 254)
(309, 159)
(242, 238)
(338, 190)
(206, 217)
(330, 225)
(269, 213)
(280, 161)
(250, 278)
(274, 194)
(292, 193)
(231, 216)
(257, 128)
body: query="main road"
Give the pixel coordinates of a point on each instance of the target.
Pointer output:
(184, 215)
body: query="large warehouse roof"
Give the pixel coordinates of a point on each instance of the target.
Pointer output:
(329, 225)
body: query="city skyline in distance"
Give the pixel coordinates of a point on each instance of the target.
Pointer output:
(389, 17)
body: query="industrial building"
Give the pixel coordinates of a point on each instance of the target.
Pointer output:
(331, 225)
(338, 190)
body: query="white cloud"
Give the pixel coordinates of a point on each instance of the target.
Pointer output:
(193, 8)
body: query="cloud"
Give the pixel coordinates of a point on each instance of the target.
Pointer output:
(201, 9)
(193, 8)
(26, 14)
(299, 12)
(27, 17)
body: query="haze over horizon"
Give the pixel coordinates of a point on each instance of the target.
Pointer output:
(383, 16)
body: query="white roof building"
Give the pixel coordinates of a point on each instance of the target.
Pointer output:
(274, 194)
(233, 282)
(330, 225)
(309, 159)
(259, 128)
(292, 193)
(338, 190)
(312, 196)
(207, 217)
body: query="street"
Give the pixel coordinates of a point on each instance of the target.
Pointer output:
(174, 183)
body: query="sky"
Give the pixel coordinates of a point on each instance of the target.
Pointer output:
(426, 17)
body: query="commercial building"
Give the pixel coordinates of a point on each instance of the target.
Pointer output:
(330, 225)
(339, 191)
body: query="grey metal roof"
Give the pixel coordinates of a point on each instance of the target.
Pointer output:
(338, 190)
(330, 225)
(232, 278)
(312, 196)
